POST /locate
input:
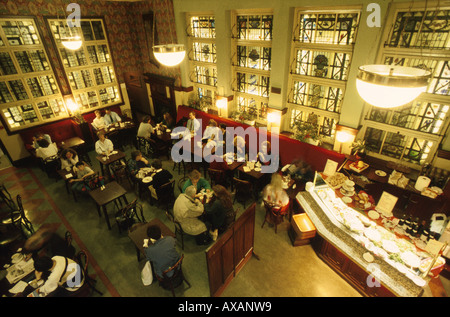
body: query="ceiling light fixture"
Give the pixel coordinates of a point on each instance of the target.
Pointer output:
(388, 86)
(169, 55)
(72, 43)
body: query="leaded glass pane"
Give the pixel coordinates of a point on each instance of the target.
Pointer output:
(204, 52)
(108, 95)
(103, 75)
(254, 109)
(324, 64)
(6, 64)
(203, 26)
(318, 96)
(253, 84)
(17, 89)
(255, 57)
(5, 94)
(424, 29)
(255, 27)
(328, 28)
(73, 58)
(417, 151)
(20, 32)
(206, 75)
(80, 79)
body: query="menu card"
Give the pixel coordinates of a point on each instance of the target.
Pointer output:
(330, 168)
(386, 203)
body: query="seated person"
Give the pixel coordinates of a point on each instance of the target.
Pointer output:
(161, 177)
(275, 195)
(111, 117)
(81, 172)
(226, 136)
(145, 129)
(186, 210)
(211, 132)
(62, 276)
(196, 179)
(193, 124)
(219, 211)
(103, 146)
(45, 149)
(161, 252)
(299, 170)
(218, 163)
(98, 123)
(41, 136)
(239, 148)
(167, 122)
(69, 158)
(137, 162)
(265, 154)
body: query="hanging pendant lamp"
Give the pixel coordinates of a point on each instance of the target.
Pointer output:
(169, 54)
(72, 43)
(388, 86)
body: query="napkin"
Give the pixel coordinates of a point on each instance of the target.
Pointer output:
(19, 287)
(247, 169)
(69, 175)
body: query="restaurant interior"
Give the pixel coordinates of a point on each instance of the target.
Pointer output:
(357, 94)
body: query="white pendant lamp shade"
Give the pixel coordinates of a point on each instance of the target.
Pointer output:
(387, 86)
(72, 43)
(169, 54)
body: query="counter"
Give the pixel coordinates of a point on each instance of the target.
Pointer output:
(339, 248)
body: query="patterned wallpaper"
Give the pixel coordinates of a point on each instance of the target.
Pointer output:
(124, 27)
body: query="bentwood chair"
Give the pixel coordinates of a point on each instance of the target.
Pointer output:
(166, 195)
(178, 229)
(274, 214)
(176, 277)
(218, 177)
(244, 190)
(89, 281)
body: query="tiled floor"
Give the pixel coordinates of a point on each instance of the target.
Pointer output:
(282, 271)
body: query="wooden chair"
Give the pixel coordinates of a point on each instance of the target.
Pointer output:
(23, 223)
(181, 182)
(159, 149)
(51, 165)
(127, 216)
(178, 229)
(93, 181)
(166, 195)
(274, 215)
(218, 177)
(180, 165)
(89, 282)
(244, 190)
(177, 278)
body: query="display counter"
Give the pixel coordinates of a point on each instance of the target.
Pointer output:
(371, 258)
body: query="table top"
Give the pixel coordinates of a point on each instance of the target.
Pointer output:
(234, 165)
(63, 173)
(111, 158)
(71, 143)
(252, 173)
(112, 191)
(140, 233)
(118, 127)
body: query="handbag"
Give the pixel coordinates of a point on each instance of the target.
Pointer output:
(146, 274)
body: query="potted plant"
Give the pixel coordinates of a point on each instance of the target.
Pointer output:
(307, 132)
(195, 102)
(244, 117)
(359, 149)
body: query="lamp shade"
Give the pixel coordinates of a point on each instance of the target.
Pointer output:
(387, 86)
(169, 54)
(72, 43)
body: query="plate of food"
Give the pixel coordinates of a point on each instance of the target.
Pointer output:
(373, 214)
(347, 200)
(368, 257)
(16, 258)
(410, 259)
(147, 179)
(390, 246)
(380, 173)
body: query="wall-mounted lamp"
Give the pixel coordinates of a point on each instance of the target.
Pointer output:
(345, 135)
(73, 108)
(222, 104)
(274, 120)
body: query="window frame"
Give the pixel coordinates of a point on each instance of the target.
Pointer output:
(193, 64)
(90, 66)
(297, 46)
(261, 113)
(23, 76)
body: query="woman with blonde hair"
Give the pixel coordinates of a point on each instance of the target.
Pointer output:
(274, 194)
(219, 212)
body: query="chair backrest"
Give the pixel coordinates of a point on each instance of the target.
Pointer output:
(176, 268)
(166, 191)
(181, 182)
(83, 261)
(24, 221)
(93, 181)
(242, 186)
(216, 176)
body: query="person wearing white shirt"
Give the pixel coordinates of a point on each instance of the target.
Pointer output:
(111, 117)
(103, 146)
(193, 124)
(145, 128)
(99, 122)
(41, 136)
(69, 158)
(46, 150)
